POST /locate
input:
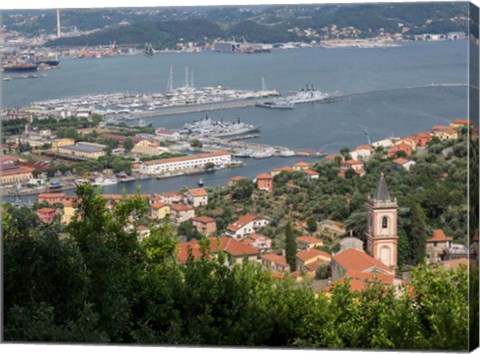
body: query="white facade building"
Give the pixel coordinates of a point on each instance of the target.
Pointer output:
(219, 159)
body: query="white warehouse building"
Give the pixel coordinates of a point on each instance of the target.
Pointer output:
(220, 159)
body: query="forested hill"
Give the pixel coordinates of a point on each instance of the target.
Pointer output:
(167, 26)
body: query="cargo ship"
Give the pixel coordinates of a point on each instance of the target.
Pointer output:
(19, 67)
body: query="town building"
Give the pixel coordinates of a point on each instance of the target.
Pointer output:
(221, 158)
(278, 170)
(436, 246)
(460, 123)
(181, 212)
(381, 232)
(143, 232)
(275, 262)
(146, 147)
(406, 149)
(168, 135)
(51, 198)
(309, 260)
(301, 166)
(310, 174)
(259, 241)
(233, 180)
(246, 225)
(331, 228)
(355, 165)
(402, 163)
(83, 151)
(265, 182)
(362, 152)
(308, 242)
(443, 132)
(68, 211)
(197, 197)
(13, 174)
(169, 197)
(56, 143)
(236, 250)
(46, 215)
(160, 210)
(205, 225)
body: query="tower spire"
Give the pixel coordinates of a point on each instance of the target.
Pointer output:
(381, 192)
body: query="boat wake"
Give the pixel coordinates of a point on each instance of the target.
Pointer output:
(410, 88)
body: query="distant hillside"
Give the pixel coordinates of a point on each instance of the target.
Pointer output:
(164, 27)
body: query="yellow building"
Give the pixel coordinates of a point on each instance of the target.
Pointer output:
(13, 174)
(68, 212)
(146, 147)
(160, 210)
(61, 142)
(81, 151)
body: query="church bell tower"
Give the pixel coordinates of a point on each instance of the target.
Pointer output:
(381, 233)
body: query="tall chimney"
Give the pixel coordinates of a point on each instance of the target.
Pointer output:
(59, 32)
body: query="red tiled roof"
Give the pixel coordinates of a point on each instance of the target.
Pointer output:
(439, 127)
(400, 161)
(112, 196)
(355, 260)
(203, 219)
(236, 179)
(302, 164)
(309, 239)
(352, 162)
(158, 205)
(227, 244)
(186, 158)
(284, 168)
(264, 176)
(244, 220)
(439, 236)
(50, 195)
(198, 192)
(364, 147)
(462, 121)
(46, 210)
(310, 172)
(256, 236)
(142, 228)
(312, 253)
(455, 263)
(314, 265)
(16, 171)
(276, 259)
(333, 156)
(181, 207)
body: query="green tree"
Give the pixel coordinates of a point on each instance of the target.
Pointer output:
(196, 143)
(312, 224)
(128, 145)
(417, 233)
(290, 247)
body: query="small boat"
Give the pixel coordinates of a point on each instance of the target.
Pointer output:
(200, 182)
(80, 181)
(101, 181)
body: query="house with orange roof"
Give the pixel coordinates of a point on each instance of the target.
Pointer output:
(181, 212)
(402, 163)
(308, 242)
(334, 156)
(275, 262)
(444, 132)
(355, 165)
(437, 245)
(143, 231)
(301, 166)
(12, 174)
(246, 225)
(159, 210)
(146, 147)
(356, 260)
(407, 140)
(46, 215)
(405, 148)
(362, 152)
(169, 135)
(235, 249)
(265, 182)
(236, 179)
(459, 123)
(205, 225)
(310, 174)
(278, 170)
(360, 281)
(197, 197)
(169, 197)
(259, 241)
(309, 260)
(68, 211)
(422, 139)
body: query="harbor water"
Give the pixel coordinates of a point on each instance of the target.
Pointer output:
(390, 92)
